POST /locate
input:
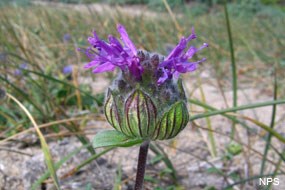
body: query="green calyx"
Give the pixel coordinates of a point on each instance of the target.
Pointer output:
(140, 111)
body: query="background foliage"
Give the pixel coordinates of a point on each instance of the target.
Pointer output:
(39, 43)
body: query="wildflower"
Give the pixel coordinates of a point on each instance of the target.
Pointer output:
(19, 70)
(177, 60)
(108, 56)
(147, 99)
(67, 69)
(66, 38)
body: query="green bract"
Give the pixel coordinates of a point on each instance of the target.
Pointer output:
(145, 109)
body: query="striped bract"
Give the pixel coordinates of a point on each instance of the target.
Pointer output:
(172, 122)
(140, 117)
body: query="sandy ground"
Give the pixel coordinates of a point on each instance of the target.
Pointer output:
(190, 155)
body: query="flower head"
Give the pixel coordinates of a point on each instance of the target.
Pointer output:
(106, 56)
(144, 101)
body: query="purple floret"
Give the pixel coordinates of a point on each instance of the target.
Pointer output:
(178, 60)
(67, 69)
(66, 38)
(106, 56)
(21, 67)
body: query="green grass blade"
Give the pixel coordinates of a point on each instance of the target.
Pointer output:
(83, 139)
(250, 106)
(268, 138)
(61, 82)
(277, 167)
(87, 161)
(57, 165)
(118, 178)
(212, 147)
(21, 92)
(243, 181)
(45, 149)
(74, 170)
(159, 151)
(234, 109)
(233, 64)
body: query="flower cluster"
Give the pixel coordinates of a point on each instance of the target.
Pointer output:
(144, 100)
(106, 56)
(178, 60)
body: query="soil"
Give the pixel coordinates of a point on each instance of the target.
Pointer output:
(188, 152)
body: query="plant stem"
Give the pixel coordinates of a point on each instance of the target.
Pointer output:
(141, 165)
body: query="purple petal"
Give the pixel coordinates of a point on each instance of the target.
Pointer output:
(136, 69)
(192, 66)
(115, 42)
(192, 35)
(66, 37)
(205, 45)
(106, 47)
(168, 63)
(178, 49)
(116, 45)
(181, 68)
(23, 66)
(91, 64)
(190, 52)
(67, 69)
(17, 72)
(163, 77)
(176, 74)
(126, 39)
(104, 68)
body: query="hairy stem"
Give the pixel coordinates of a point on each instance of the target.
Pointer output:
(141, 165)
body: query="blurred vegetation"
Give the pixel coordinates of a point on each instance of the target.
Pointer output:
(40, 64)
(156, 4)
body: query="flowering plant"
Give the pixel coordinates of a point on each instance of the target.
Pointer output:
(147, 100)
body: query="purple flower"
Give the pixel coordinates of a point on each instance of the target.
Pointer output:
(106, 56)
(67, 69)
(178, 59)
(21, 67)
(66, 37)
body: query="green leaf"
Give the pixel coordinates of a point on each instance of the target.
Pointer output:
(118, 178)
(114, 138)
(210, 188)
(166, 171)
(235, 176)
(234, 148)
(150, 179)
(88, 186)
(156, 159)
(214, 170)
